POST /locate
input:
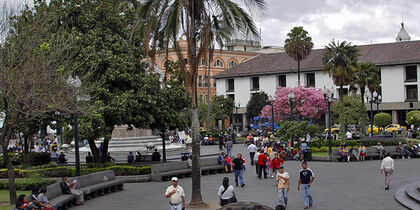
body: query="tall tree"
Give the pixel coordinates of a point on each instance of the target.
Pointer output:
(222, 107)
(257, 102)
(298, 45)
(192, 18)
(366, 75)
(34, 64)
(339, 61)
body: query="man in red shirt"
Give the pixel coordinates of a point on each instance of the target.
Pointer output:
(262, 160)
(276, 162)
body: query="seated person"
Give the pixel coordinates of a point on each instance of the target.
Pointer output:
(342, 153)
(189, 161)
(109, 158)
(349, 135)
(221, 158)
(65, 189)
(43, 200)
(380, 150)
(21, 203)
(138, 157)
(228, 164)
(130, 157)
(89, 158)
(156, 155)
(402, 149)
(353, 153)
(62, 158)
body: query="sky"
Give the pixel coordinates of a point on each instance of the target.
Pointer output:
(356, 21)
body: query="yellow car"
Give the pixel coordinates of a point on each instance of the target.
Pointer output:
(203, 129)
(334, 129)
(375, 128)
(394, 128)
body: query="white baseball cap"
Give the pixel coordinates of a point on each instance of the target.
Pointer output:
(174, 179)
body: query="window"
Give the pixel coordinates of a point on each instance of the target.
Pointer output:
(310, 80)
(412, 94)
(214, 83)
(218, 63)
(200, 98)
(186, 61)
(255, 83)
(203, 62)
(232, 96)
(231, 85)
(232, 64)
(200, 81)
(282, 80)
(206, 83)
(411, 74)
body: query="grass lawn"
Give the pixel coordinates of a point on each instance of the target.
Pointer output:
(319, 154)
(4, 198)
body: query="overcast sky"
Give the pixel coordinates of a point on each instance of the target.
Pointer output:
(357, 21)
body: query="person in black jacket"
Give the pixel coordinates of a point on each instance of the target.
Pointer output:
(65, 189)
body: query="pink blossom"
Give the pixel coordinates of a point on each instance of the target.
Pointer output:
(309, 103)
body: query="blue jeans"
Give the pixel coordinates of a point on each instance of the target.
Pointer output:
(306, 194)
(228, 151)
(177, 206)
(283, 196)
(241, 179)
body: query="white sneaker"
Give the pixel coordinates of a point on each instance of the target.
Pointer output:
(409, 157)
(403, 158)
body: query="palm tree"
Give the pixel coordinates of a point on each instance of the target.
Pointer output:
(298, 45)
(339, 61)
(193, 18)
(365, 76)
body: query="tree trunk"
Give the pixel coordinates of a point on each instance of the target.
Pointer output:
(362, 94)
(196, 198)
(298, 72)
(341, 92)
(5, 138)
(94, 150)
(107, 138)
(26, 159)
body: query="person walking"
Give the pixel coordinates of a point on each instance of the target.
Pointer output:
(176, 195)
(257, 154)
(283, 185)
(226, 193)
(238, 168)
(276, 163)
(221, 141)
(262, 161)
(306, 177)
(229, 146)
(387, 166)
(252, 149)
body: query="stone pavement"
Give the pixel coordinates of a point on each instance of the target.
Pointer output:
(355, 185)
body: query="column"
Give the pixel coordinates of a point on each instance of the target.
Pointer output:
(394, 116)
(244, 122)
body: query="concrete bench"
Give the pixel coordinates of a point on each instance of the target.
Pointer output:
(164, 171)
(91, 185)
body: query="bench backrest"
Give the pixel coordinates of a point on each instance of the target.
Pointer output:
(390, 148)
(54, 190)
(164, 167)
(371, 149)
(208, 162)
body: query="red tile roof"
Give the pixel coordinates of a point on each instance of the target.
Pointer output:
(277, 63)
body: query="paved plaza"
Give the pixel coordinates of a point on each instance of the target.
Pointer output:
(354, 185)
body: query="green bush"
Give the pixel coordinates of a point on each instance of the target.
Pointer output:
(27, 184)
(413, 118)
(382, 119)
(71, 171)
(313, 130)
(16, 159)
(320, 143)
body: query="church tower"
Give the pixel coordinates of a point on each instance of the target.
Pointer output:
(403, 35)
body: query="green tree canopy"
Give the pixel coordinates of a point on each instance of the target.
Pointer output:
(413, 118)
(222, 107)
(366, 75)
(349, 110)
(298, 45)
(257, 102)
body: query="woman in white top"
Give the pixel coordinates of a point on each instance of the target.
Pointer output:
(226, 193)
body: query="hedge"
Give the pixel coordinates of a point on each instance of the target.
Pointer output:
(27, 184)
(366, 142)
(71, 171)
(37, 158)
(382, 119)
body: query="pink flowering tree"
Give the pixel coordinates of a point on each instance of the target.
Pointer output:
(309, 103)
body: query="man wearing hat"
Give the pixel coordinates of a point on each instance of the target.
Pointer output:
(283, 185)
(176, 195)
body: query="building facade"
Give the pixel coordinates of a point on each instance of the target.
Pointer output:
(398, 63)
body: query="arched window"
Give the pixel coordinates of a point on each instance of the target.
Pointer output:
(218, 63)
(166, 63)
(232, 64)
(203, 62)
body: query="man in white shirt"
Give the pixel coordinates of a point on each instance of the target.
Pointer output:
(176, 195)
(252, 149)
(256, 161)
(387, 166)
(283, 185)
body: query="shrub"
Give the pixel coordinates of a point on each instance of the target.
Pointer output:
(39, 158)
(413, 118)
(382, 119)
(16, 159)
(27, 184)
(319, 143)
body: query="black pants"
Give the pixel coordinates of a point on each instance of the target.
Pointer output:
(256, 168)
(252, 154)
(261, 168)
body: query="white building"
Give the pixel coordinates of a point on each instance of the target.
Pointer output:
(398, 63)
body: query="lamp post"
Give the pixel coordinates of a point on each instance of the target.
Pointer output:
(291, 97)
(272, 100)
(373, 98)
(379, 101)
(329, 98)
(75, 83)
(236, 116)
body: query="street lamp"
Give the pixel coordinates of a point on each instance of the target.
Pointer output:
(272, 100)
(236, 116)
(75, 83)
(329, 98)
(291, 97)
(373, 98)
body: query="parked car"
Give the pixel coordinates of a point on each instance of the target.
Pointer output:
(334, 129)
(375, 128)
(394, 128)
